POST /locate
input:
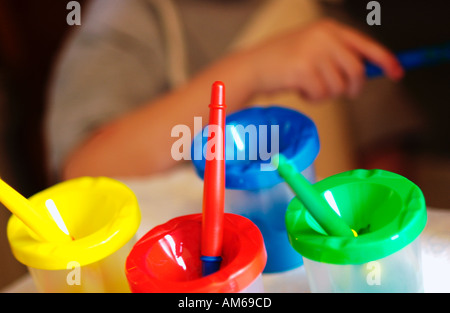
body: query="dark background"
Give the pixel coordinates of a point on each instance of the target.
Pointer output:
(31, 32)
(409, 24)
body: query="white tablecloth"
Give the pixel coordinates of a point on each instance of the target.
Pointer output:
(179, 192)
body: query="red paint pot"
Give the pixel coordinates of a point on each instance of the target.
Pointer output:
(167, 258)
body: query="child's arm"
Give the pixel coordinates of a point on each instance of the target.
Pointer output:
(321, 61)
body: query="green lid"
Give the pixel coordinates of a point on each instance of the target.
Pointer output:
(387, 211)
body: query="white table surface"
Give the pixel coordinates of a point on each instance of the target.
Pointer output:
(179, 192)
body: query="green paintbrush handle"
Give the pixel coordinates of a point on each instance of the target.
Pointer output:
(314, 202)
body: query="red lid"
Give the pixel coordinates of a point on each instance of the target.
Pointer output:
(167, 258)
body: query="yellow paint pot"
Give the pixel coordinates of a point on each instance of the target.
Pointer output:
(102, 215)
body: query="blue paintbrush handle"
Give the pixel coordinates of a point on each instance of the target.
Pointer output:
(415, 58)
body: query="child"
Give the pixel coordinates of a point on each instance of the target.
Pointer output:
(112, 107)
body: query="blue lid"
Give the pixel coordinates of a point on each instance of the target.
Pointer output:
(252, 137)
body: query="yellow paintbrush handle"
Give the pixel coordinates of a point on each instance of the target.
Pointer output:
(42, 226)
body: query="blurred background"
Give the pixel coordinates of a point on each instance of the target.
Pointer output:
(31, 33)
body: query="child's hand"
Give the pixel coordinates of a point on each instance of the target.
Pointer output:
(323, 60)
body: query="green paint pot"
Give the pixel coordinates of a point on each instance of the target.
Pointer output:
(388, 212)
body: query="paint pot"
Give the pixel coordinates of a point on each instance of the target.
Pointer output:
(253, 187)
(387, 211)
(102, 215)
(167, 258)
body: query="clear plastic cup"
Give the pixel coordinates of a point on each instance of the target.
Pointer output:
(387, 211)
(266, 208)
(389, 274)
(167, 258)
(253, 187)
(102, 215)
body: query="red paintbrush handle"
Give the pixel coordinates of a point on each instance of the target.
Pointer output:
(214, 177)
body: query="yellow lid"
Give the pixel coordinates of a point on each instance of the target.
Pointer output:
(101, 214)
